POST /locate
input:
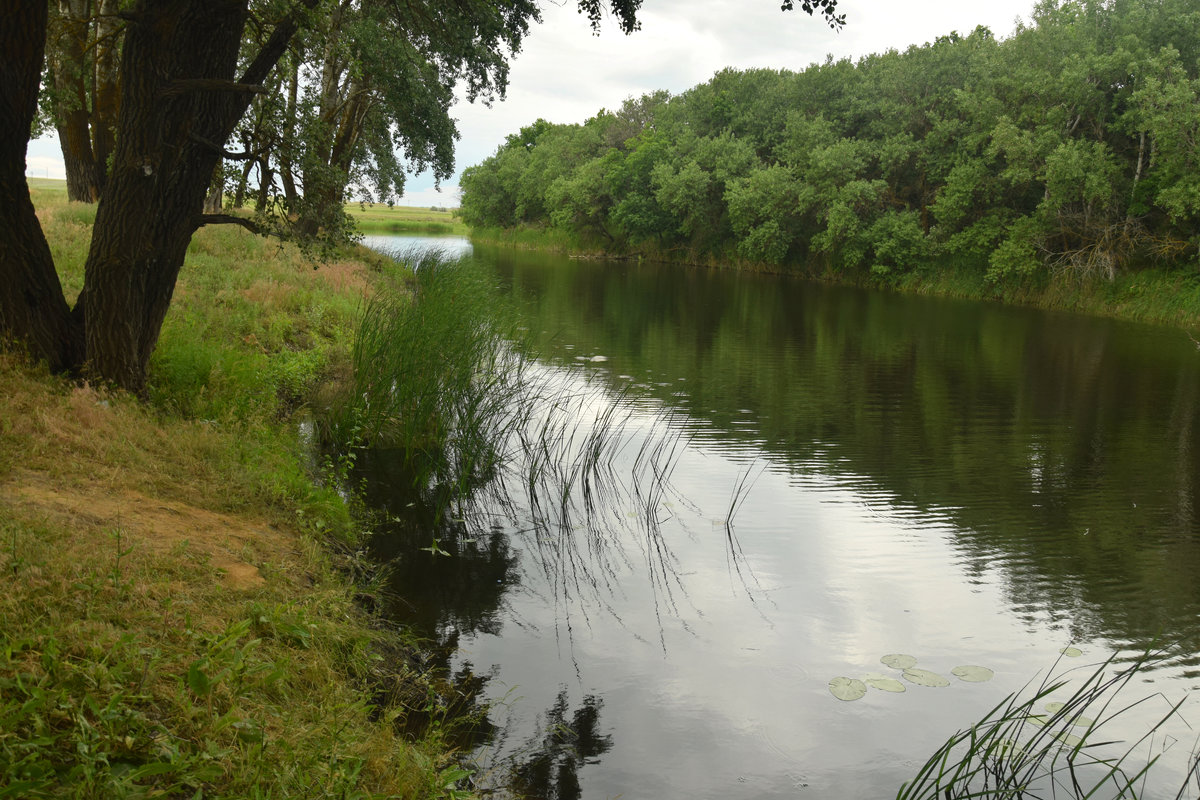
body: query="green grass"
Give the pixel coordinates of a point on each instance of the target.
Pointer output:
(433, 377)
(177, 618)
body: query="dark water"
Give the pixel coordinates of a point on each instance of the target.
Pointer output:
(963, 482)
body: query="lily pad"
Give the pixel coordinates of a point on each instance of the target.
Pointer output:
(1054, 707)
(1069, 739)
(1036, 720)
(972, 673)
(923, 677)
(883, 682)
(1071, 652)
(847, 688)
(899, 661)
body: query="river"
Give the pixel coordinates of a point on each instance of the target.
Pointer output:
(849, 474)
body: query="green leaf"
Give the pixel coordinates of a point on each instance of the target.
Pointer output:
(899, 661)
(249, 731)
(972, 673)
(198, 681)
(153, 768)
(923, 677)
(847, 688)
(883, 683)
(1071, 652)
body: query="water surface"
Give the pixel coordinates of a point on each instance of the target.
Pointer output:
(964, 482)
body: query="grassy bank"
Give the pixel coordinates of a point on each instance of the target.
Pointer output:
(379, 218)
(1160, 296)
(179, 619)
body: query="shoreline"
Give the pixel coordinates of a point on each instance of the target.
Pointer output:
(185, 611)
(1153, 296)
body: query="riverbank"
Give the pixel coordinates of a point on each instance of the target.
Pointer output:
(1156, 296)
(182, 616)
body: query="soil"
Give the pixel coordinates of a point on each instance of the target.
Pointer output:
(232, 544)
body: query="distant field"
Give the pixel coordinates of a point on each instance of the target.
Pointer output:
(49, 188)
(404, 218)
(376, 218)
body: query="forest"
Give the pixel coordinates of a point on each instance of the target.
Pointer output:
(1069, 148)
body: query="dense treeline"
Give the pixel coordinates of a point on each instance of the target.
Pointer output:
(1072, 146)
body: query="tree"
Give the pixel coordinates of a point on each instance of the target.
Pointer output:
(181, 98)
(84, 40)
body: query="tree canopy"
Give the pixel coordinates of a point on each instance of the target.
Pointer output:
(317, 91)
(1070, 147)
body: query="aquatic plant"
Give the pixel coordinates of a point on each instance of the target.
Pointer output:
(435, 377)
(445, 391)
(1037, 748)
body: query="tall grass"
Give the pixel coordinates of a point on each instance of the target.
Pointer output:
(1027, 749)
(134, 661)
(434, 377)
(476, 428)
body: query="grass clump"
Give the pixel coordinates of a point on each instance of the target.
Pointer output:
(1024, 749)
(434, 376)
(178, 620)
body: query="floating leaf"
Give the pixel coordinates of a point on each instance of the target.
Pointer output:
(1071, 652)
(847, 688)
(972, 673)
(923, 677)
(899, 661)
(1083, 722)
(1068, 739)
(1055, 707)
(1036, 720)
(883, 683)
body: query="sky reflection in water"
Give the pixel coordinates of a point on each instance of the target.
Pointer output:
(967, 483)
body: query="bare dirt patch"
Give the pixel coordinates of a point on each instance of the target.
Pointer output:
(234, 545)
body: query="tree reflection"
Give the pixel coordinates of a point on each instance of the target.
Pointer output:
(1062, 448)
(550, 770)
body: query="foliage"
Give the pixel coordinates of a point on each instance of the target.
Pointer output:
(1068, 149)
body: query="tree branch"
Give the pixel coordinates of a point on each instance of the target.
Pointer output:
(245, 155)
(228, 219)
(209, 85)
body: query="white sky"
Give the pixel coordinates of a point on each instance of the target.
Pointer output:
(564, 74)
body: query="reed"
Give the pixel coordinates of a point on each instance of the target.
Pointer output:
(434, 375)
(1028, 748)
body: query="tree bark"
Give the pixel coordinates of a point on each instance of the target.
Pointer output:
(33, 310)
(107, 86)
(178, 94)
(160, 176)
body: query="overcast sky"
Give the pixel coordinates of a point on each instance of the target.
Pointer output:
(565, 74)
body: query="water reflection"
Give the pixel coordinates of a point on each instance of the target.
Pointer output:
(970, 483)
(1058, 446)
(562, 746)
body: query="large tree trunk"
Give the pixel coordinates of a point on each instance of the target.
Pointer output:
(83, 173)
(32, 308)
(179, 105)
(177, 78)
